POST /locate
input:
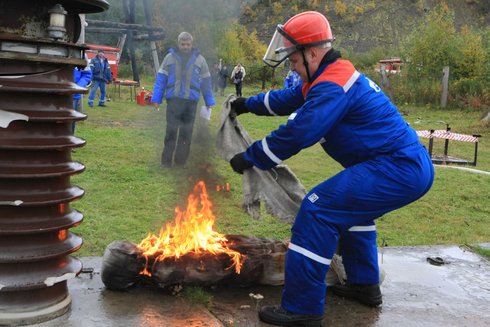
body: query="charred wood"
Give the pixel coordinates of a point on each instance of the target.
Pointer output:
(263, 263)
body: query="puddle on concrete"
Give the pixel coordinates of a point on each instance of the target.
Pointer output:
(415, 293)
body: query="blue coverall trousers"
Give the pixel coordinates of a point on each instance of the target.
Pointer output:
(93, 89)
(343, 208)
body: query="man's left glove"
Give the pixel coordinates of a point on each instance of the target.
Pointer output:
(238, 107)
(239, 163)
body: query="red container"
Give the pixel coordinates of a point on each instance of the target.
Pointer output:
(144, 97)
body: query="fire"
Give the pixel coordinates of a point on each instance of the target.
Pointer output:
(191, 231)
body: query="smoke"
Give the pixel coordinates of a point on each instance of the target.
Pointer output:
(206, 20)
(201, 163)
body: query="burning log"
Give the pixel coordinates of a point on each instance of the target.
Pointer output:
(190, 252)
(262, 262)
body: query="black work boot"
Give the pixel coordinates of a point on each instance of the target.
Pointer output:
(276, 315)
(369, 295)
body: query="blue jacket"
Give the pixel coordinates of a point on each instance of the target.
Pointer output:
(101, 70)
(341, 109)
(82, 78)
(177, 79)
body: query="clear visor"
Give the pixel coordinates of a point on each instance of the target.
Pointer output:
(279, 49)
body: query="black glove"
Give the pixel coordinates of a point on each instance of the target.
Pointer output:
(238, 107)
(239, 163)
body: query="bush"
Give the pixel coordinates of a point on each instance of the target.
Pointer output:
(340, 8)
(238, 45)
(432, 45)
(435, 44)
(423, 91)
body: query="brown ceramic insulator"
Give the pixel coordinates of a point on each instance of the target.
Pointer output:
(23, 220)
(36, 142)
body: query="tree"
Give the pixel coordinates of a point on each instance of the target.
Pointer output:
(432, 45)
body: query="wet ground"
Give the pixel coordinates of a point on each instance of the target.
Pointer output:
(415, 293)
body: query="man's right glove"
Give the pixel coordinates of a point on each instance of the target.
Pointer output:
(238, 107)
(239, 163)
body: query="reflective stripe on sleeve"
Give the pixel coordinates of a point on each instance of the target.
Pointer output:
(351, 81)
(269, 153)
(267, 105)
(362, 228)
(309, 254)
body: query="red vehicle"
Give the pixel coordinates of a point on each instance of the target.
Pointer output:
(392, 66)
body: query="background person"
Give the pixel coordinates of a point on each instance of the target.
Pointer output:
(215, 76)
(385, 167)
(101, 75)
(81, 77)
(237, 76)
(223, 76)
(182, 76)
(292, 79)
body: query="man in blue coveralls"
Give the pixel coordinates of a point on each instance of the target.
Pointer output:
(101, 75)
(386, 167)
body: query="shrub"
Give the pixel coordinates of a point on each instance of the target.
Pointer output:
(472, 61)
(238, 45)
(249, 12)
(340, 8)
(431, 45)
(276, 8)
(359, 9)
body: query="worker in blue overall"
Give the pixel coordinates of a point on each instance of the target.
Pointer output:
(386, 167)
(101, 75)
(292, 79)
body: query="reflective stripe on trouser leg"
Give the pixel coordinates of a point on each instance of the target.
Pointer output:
(360, 254)
(313, 243)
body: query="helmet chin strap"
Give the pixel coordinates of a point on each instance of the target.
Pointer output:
(305, 62)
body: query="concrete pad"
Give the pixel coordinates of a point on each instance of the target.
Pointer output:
(415, 293)
(95, 306)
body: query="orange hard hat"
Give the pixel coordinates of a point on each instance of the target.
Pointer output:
(309, 28)
(306, 29)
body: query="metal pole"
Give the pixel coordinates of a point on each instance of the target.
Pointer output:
(446, 142)
(154, 52)
(445, 84)
(129, 8)
(476, 150)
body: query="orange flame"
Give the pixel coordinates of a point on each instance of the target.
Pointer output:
(192, 231)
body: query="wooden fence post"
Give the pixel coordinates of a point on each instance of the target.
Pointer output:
(385, 82)
(445, 83)
(154, 52)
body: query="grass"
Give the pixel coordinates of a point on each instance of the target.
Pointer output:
(481, 251)
(129, 195)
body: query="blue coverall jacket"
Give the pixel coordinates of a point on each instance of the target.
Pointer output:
(101, 70)
(175, 80)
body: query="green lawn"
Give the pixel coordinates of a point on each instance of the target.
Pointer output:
(129, 195)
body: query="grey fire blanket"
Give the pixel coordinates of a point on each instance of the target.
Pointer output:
(278, 187)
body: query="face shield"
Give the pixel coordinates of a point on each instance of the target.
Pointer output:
(280, 48)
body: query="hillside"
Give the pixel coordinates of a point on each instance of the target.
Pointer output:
(361, 25)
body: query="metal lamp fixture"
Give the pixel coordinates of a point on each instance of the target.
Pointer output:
(57, 16)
